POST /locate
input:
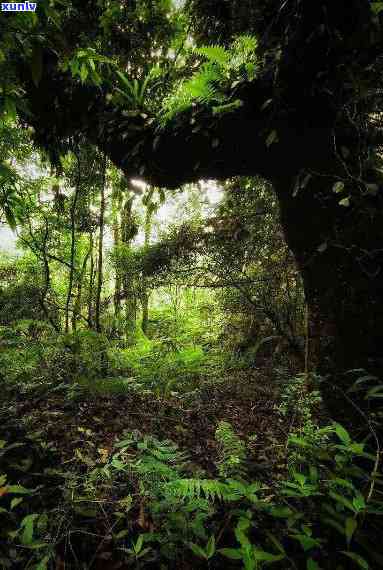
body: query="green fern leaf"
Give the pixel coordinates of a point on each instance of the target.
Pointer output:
(215, 54)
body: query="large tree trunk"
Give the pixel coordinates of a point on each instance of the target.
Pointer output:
(338, 249)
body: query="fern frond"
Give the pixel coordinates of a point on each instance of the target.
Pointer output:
(213, 83)
(215, 54)
(232, 450)
(246, 43)
(211, 489)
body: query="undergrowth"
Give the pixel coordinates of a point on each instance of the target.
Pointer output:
(158, 508)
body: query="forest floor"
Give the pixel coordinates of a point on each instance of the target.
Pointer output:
(86, 426)
(62, 435)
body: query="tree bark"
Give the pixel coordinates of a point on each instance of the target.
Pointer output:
(91, 281)
(339, 252)
(73, 244)
(144, 285)
(78, 304)
(100, 264)
(128, 232)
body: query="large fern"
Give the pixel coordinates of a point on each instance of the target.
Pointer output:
(232, 451)
(215, 81)
(211, 489)
(214, 54)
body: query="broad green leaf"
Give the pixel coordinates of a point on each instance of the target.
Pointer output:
(377, 7)
(36, 545)
(306, 542)
(272, 138)
(374, 392)
(338, 187)
(299, 477)
(342, 433)
(210, 547)
(15, 502)
(232, 553)
(143, 552)
(359, 502)
(19, 490)
(43, 564)
(335, 524)
(357, 558)
(28, 525)
(198, 551)
(121, 534)
(281, 512)
(343, 483)
(264, 556)
(342, 500)
(345, 202)
(350, 527)
(139, 544)
(84, 72)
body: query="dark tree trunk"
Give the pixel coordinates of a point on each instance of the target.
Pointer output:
(339, 252)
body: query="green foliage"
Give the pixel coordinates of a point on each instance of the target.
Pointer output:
(86, 64)
(297, 398)
(136, 94)
(232, 451)
(24, 534)
(215, 83)
(9, 198)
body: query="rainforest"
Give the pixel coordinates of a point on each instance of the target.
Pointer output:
(191, 293)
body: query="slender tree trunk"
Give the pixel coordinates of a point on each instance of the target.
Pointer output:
(100, 250)
(78, 304)
(118, 281)
(91, 282)
(144, 285)
(73, 245)
(129, 290)
(47, 278)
